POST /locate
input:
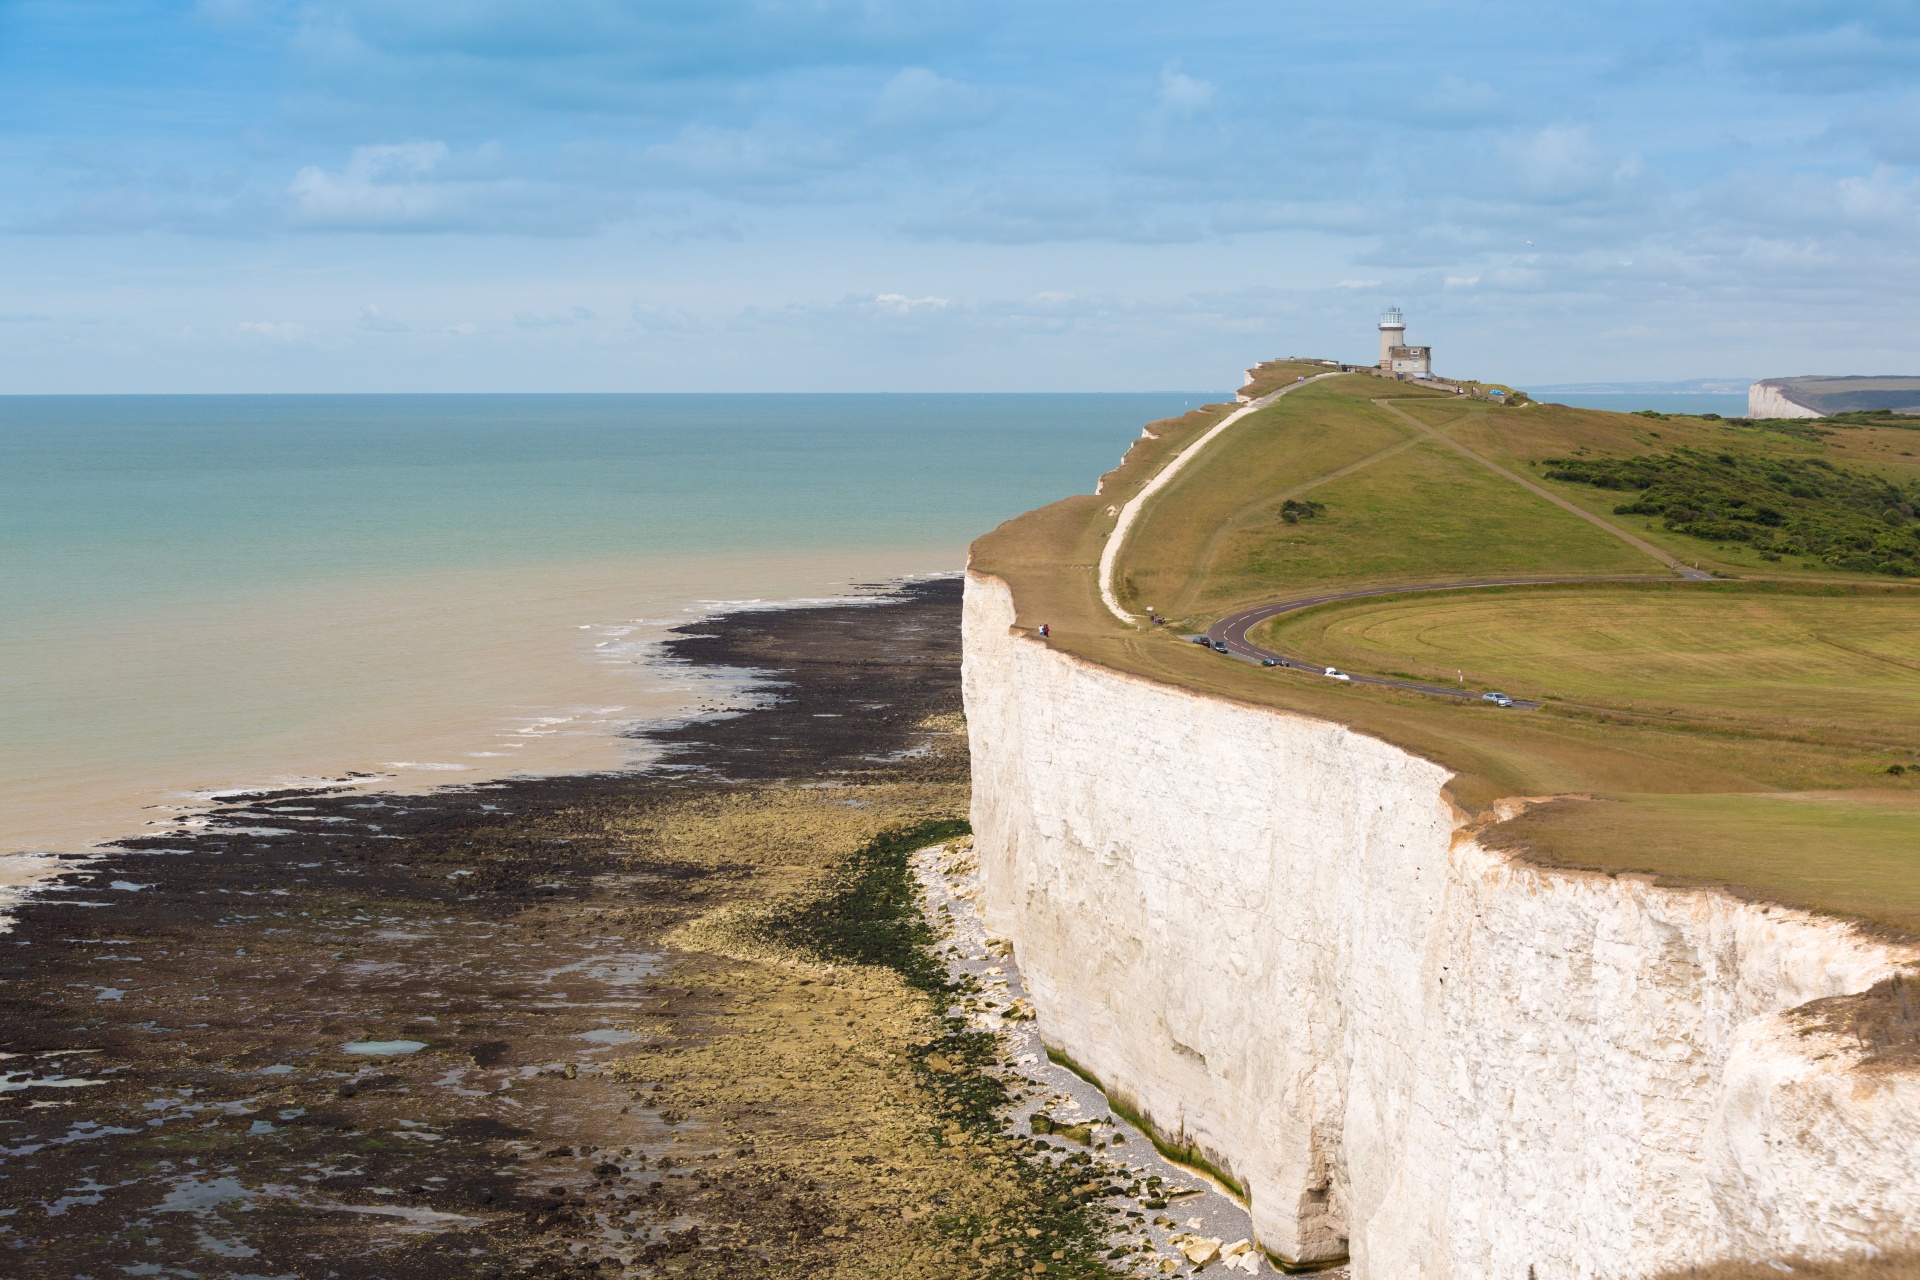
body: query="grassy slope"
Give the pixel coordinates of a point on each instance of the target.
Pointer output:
(1214, 541)
(1210, 542)
(1523, 439)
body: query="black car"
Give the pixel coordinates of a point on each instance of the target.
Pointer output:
(1203, 640)
(1219, 646)
(1269, 662)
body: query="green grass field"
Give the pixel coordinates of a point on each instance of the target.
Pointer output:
(1846, 666)
(1737, 733)
(1848, 853)
(1400, 507)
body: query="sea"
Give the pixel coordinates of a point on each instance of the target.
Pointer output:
(203, 595)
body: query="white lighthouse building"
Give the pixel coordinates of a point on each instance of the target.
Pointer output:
(1396, 356)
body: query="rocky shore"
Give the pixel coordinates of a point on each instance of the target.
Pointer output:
(632, 1024)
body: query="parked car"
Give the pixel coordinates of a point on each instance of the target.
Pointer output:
(1334, 673)
(1269, 662)
(1205, 640)
(1497, 699)
(1219, 646)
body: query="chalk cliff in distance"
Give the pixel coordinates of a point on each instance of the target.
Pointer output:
(1269, 936)
(1818, 397)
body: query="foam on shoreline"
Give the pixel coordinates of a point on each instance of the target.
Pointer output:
(446, 730)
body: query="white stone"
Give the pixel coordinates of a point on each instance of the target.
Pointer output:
(1402, 1044)
(1201, 1252)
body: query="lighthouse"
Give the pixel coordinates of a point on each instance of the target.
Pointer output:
(1396, 357)
(1393, 333)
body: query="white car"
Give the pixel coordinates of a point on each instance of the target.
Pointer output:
(1334, 673)
(1497, 699)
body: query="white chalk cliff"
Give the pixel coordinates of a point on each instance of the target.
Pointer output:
(1267, 935)
(1770, 400)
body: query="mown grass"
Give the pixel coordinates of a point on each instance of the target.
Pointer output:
(1398, 507)
(1854, 854)
(1811, 715)
(1844, 664)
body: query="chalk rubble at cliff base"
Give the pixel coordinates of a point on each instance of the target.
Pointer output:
(1266, 934)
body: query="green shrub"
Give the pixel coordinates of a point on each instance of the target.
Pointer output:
(1800, 506)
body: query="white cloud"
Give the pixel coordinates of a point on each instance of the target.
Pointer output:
(1462, 282)
(275, 331)
(1357, 284)
(1181, 131)
(553, 319)
(656, 321)
(1566, 162)
(427, 186)
(918, 100)
(374, 320)
(380, 187)
(1181, 96)
(1460, 103)
(760, 155)
(900, 304)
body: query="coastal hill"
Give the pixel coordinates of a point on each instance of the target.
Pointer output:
(1611, 974)
(1731, 722)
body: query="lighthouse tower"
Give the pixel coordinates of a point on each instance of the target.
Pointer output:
(1393, 333)
(1396, 357)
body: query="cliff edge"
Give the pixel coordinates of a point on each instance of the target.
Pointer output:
(1275, 940)
(1311, 933)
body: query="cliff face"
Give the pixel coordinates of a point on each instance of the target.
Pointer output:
(1769, 400)
(1264, 934)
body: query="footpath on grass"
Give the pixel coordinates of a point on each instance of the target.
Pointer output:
(1433, 495)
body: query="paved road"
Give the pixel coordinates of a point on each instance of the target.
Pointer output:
(1232, 630)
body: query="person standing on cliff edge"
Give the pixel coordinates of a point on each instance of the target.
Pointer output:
(1044, 633)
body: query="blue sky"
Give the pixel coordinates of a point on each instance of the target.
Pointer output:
(367, 195)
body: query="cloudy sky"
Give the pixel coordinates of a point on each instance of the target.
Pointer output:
(316, 195)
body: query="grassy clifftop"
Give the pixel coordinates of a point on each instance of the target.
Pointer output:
(1759, 731)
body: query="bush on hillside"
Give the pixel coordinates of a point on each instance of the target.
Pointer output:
(1781, 506)
(1294, 512)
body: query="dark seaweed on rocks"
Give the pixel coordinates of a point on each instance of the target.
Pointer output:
(180, 1099)
(871, 914)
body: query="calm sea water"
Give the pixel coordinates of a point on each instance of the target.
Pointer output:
(200, 593)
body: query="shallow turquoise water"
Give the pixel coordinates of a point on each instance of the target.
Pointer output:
(107, 500)
(205, 591)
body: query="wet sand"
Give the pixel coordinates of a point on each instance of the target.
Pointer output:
(693, 1021)
(403, 681)
(178, 1101)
